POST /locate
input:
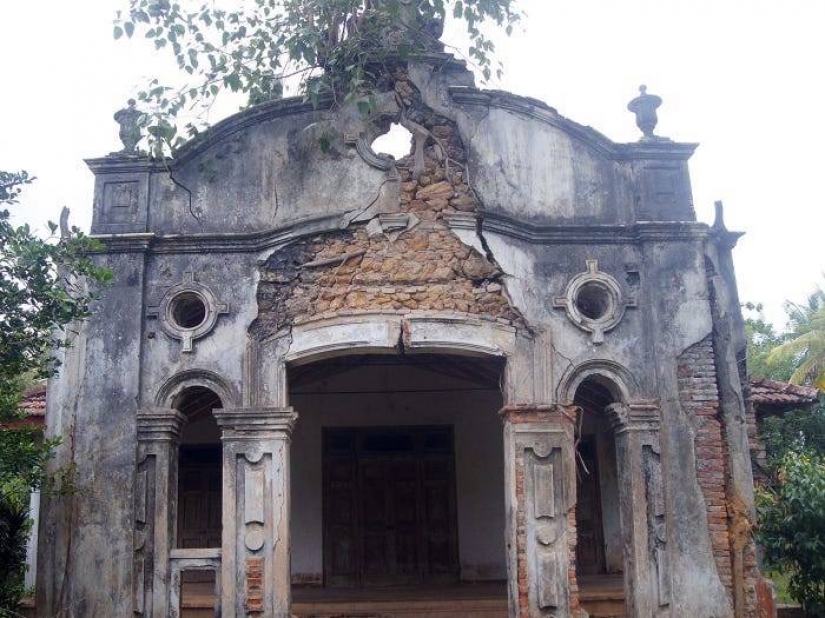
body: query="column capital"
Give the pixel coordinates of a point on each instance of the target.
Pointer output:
(637, 416)
(159, 425)
(255, 423)
(535, 413)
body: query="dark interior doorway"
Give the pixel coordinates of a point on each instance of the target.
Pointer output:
(389, 506)
(598, 528)
(199, 471)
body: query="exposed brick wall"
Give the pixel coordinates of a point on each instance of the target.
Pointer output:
(521, 543)
(425, 268)
(572, 541)
(700, 399)
(254, 603)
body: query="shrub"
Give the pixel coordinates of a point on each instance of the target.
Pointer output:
(14, 532)
(792, 528)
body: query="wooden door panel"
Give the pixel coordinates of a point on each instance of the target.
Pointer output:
(199, 497)
(340, 547)
(402, 529)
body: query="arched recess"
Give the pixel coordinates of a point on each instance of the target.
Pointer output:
(170, 391)
(380, 333)
(617, 379)
(420, 428)
(598, 525)
(628, 430)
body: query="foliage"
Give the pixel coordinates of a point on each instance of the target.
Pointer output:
(43, 289)
(762, 339)
(793, 431)
(805, 346)
(259, 47)
(14, 528)
(792, 528)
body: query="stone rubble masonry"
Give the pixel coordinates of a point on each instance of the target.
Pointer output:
(425, 268)
(700, 400)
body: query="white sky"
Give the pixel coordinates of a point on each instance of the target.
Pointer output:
(743, 78)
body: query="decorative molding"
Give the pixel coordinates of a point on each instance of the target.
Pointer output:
(618, 234)
(492, 222)
(365, 151)
(159, 425)
(164, 311)
(613, 301)
(622, 383)
(255, 424)
(656, 520)
(144, 522)
(173, 386)
(633, 417)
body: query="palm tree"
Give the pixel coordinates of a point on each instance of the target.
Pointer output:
(805, 344)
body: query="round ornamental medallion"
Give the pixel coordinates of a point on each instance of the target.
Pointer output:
(594, 302)
(188, 311)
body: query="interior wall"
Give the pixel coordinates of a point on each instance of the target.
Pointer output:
(609, 490)
(403, 395)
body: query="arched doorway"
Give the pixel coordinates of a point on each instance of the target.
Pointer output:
(599, 559)
(199, 491)
(397, 478)
(199, 470)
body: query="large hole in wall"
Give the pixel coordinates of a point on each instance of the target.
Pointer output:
(397, 142)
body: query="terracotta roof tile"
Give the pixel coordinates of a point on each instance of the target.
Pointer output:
(774, 393)
(34, 401)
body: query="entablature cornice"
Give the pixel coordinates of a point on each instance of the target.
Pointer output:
(640, 232)
(622, 234)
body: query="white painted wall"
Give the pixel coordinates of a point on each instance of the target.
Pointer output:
(435, 400)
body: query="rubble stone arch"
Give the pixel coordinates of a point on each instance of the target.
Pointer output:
(175, 386)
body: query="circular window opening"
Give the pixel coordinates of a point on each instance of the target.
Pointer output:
(593, 300)
(188, 310)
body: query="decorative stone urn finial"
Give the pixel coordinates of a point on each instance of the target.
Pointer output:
(129, 120)
(645, 106)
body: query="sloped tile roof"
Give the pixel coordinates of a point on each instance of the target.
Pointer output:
(34, 401)
(774, 393)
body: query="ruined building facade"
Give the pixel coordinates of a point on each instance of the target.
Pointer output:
(511, 358)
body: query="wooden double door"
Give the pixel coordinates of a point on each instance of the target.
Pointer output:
(389, 506)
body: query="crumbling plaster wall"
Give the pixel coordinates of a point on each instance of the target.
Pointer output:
(510, 205)
(85, 549)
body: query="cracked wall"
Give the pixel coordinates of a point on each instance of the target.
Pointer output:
(501, 202)
(408, 261)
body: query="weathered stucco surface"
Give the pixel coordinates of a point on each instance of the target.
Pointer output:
(469, 245)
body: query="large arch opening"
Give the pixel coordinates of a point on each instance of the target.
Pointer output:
(599, 560)
(397, 477)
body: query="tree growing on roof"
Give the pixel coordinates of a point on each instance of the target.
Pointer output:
(334, 48)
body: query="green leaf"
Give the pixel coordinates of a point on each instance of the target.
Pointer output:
(118, 32)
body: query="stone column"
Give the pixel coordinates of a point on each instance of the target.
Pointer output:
(647, 578)
(540, 488)
(156, 484)
(255, 552)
